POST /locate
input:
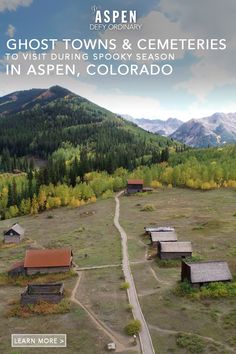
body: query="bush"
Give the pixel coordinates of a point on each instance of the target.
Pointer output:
(148, 207)
(213, 290)
(156, 184)
(124, 285)
(129, 308)
(184, 288)
(108, 194)
(41, 308)
(192, 343)
(133, 327)
(23, 280)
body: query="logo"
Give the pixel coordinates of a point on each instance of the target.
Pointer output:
(104, 19)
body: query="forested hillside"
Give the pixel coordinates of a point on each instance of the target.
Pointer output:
(40, 125)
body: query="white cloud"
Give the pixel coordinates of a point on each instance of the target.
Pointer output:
(118, 102)
(154, 25)
(10, 31)
(11, 5)
(211, 19)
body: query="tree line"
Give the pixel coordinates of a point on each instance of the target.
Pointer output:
(69, 185)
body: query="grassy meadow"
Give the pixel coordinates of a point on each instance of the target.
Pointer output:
(208, 219)
(88, 230)
(177, 324)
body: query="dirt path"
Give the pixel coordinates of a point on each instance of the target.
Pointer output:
(99, 324)
(97, 267)
(170, 331)
(156, 277)
(144, 335)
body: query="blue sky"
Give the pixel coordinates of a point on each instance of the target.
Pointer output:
(201, 84)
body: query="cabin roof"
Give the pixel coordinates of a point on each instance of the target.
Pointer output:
(57, 257)
(135, 181)
(202, 272)
(16, 265)
(163, 236)
(176, 246)
(17, 228)
(158, 228)
(47, 289)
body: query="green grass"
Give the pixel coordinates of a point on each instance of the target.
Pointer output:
(207, 220)
(100, 291)
(88, 230)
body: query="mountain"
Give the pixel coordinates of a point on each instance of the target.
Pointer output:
(218, 129)
(22, 100)
(162, 127)
(38, 122)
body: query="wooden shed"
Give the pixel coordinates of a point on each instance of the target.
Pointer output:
(134, 186)
(35, 293)
(200, 273)
(174, 250)
(155, 228)
(17, 269)
(48, 260)
(162, 236)
(15, 234)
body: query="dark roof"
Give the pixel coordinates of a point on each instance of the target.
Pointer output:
(176, 246)
(135, 181)
(47, 289)
(163, 236)
(17, 228)
(58, 257)
(210, 271)
(16, 265)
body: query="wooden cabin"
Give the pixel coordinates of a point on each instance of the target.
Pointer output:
(162, 236)
(16, 269)
(48, 260)
(134, 186)
(174, 250)
(35, 293)
(201, 273)
(15, 234)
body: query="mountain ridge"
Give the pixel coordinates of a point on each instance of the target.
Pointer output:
(214, 130)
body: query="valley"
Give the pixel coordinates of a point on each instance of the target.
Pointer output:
(207, 218)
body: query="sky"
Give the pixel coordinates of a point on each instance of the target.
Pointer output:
(202, 83)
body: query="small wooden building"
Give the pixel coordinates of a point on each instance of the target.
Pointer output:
(162, 236)
(15, 234)
(201, 273)
(35, 293)
(134, 186)
(17, 269)
(48, 260)
(174, 250)
(155, 228)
